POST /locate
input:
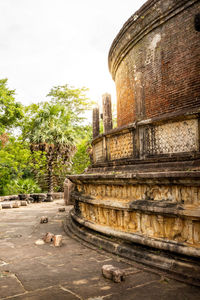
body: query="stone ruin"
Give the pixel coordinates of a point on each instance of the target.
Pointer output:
(141, 197)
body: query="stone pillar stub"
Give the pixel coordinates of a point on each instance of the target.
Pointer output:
(107, 112)
(95, 122)
(68, 188)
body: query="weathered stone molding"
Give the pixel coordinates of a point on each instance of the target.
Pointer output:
(139, 239)
(158, 205)
(187, 270)
(166, 208)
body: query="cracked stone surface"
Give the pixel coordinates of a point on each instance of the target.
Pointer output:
(72, 271)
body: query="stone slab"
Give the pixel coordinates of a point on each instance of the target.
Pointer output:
(9, 285)
(72, 271)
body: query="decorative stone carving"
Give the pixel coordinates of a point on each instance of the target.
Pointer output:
(116, 151)
(188, 195)
(151, 225)
(174, 137)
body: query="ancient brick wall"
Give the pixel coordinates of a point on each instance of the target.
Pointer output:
(155, 61)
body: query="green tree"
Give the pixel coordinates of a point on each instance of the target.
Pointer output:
(16, 165)
(82, 157)
(74, 100)
(10, 110)
(15, 156)
(54, 128)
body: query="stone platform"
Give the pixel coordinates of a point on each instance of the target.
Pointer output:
(73, 271)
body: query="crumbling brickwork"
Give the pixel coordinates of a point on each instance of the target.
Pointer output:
(160, 72)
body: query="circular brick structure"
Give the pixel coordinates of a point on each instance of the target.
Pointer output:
(155, 61)
(140, 199)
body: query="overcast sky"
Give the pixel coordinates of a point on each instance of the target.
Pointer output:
(45, 43)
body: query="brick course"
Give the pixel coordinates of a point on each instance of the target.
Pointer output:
(160, 73)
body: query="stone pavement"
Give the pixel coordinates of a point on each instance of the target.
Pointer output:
(73, 271)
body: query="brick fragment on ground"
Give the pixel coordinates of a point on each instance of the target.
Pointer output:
(48, 238)
(113, 273)
(44, 219)
(118, 275)
(57, 240)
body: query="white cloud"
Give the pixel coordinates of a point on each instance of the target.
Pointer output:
(44, 43)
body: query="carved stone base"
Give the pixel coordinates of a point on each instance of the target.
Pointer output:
(178, 267)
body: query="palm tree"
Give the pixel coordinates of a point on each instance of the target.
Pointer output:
(52, 133)
(53, 127)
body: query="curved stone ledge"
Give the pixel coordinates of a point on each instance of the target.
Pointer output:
(170, 177)
(139, 239)
(184, 269)
(158, 207)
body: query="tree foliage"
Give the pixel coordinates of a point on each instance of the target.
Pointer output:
(74, 100)
(54, 127)
(21, 186)
(16, 163)
(10, 110)
(82, 157)
(50, 132)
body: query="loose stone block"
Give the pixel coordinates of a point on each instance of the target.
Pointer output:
(16, 204)
(49, 197)
(38, 197)
(22, 196)
(30, 199)
(118, 275)
(6, 205)
(107, 271)
(61, 209)
(48, 238)
(44, 219)
(24, 203)
(57, 240)
(113, 273)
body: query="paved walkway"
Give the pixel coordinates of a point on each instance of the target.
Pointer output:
(73, 271)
